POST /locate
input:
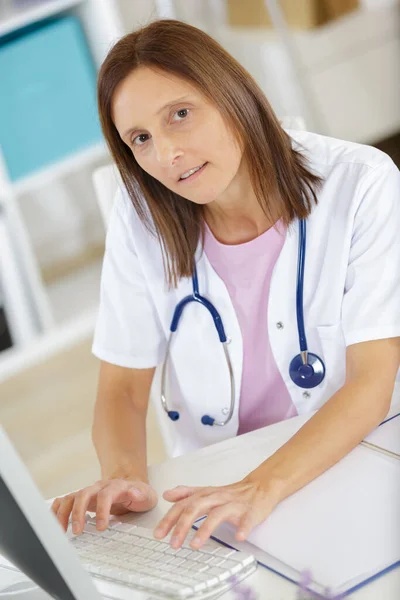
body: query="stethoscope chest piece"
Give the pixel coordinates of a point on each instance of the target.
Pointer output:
(309, 374)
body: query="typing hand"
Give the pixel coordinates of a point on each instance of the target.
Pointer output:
(105, 498)
(244, 504)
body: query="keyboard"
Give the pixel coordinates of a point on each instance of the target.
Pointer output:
(130, 556)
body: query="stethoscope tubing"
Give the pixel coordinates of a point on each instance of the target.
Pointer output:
(302, 373)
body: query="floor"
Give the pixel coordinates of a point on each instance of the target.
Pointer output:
(47, 412)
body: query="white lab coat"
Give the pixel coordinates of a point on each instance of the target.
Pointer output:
(351, 292)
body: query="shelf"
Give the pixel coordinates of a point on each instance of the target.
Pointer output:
(16, 17)
(74, 162)
(75, 293)
(71, 332)
(74, 302)
(67, 307)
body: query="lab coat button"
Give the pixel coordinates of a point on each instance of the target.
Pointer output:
(279, 325)
(306, 395)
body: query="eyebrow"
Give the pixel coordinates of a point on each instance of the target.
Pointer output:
(160, 110)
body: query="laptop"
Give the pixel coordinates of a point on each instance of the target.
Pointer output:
(33, 542)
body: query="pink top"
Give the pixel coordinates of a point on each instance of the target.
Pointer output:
(246, 270)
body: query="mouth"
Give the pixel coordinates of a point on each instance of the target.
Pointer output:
(192, 173)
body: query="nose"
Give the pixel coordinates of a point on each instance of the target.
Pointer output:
(167, 151)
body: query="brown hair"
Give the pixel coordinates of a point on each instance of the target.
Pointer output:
(281, 180)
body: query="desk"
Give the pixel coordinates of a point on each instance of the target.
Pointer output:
(202, 468)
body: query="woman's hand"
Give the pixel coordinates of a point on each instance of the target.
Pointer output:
(244, 504)
(105, 498)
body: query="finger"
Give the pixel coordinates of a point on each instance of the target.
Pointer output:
(179, 493)
(119, 497)
(105, 498)
(231, 513)
(169, 520)
(80, 506)
(139, 497)
(64, 510)
(55, 506)
(144, 495)
(203, 499)
(194, 508)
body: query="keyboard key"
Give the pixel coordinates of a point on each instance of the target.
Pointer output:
(200, 587)
(202, 558)
(150, 543)
(185, 554)
(176, 561)
(225, 552)
(165, 558)
(162, 547)
(210, 547)
(172, 550)
(90, 528)
(227, 564)
(212, 582)
(202, 568)
(144, 533)
(108, 533)
(124, 527)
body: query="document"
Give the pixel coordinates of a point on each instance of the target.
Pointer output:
(343, 527)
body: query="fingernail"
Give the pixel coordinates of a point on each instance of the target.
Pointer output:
(100, 524)
(75, 527)
(196, 542)
(158, 532)
(175, 542)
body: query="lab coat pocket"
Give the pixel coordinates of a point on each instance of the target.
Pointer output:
(333, 347)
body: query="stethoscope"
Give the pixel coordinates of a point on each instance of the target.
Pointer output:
(306, 370)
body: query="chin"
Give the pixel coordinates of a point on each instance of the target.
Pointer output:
(197, 197)
(204, 198)
(202, 201)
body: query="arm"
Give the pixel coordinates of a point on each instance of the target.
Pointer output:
(338, 426)
(119, 426)
(371, 325)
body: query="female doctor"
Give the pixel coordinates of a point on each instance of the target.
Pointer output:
(262, 267)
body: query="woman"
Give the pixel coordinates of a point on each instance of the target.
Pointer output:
(217, 199)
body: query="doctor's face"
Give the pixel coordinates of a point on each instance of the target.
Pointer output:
(176, 135)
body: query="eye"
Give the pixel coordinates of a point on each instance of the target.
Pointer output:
(182, 113)
(140, 139)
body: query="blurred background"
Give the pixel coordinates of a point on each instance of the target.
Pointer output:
(334, 63)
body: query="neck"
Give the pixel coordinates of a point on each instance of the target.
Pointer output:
(236, 217)
(236, 226)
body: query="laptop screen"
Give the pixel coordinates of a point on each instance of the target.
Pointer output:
(21, 546)
(30, 537)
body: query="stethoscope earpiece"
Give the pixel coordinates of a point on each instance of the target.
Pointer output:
(206, 420)
(307, 375)
(173, 415)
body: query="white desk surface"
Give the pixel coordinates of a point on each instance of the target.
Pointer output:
(211, 466)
